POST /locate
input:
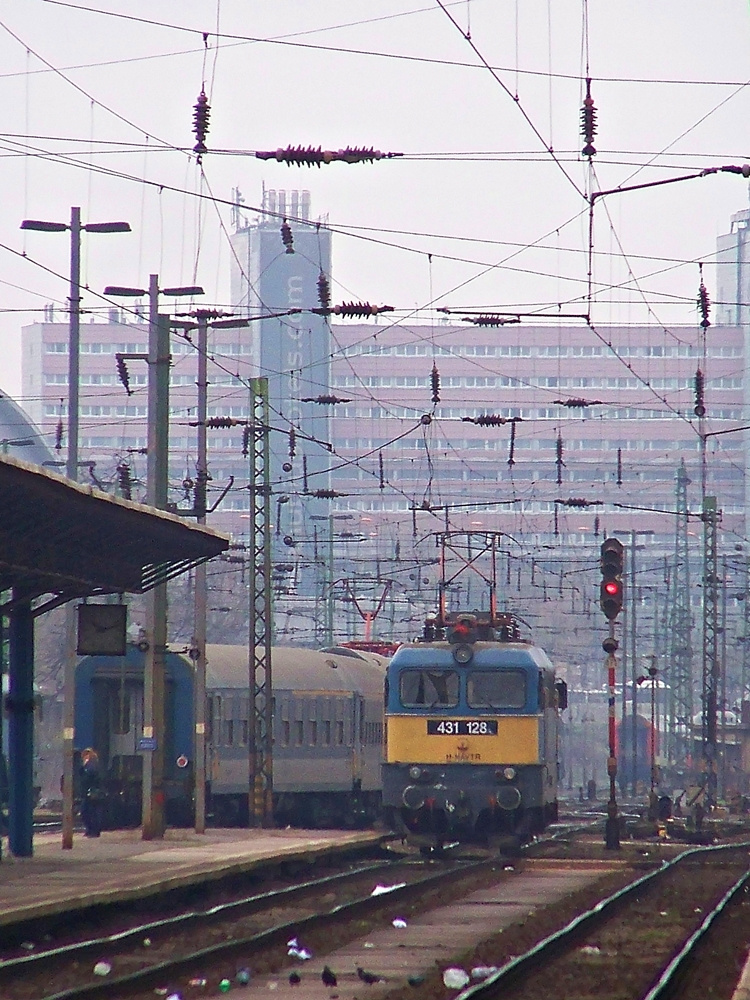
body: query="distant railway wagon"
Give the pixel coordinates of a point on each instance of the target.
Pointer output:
(472, 715)
(646, 745)
(327, 712)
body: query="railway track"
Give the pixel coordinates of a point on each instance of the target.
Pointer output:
(252, 930)
(639, 942)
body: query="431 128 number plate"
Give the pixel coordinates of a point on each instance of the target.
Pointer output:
(462, 727)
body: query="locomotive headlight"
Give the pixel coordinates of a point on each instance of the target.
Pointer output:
(463, 654)
(509, 773)
(415, 773)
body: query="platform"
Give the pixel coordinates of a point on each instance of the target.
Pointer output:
(119, 865)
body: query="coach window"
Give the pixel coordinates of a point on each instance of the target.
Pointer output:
(217, 718)
(120, 712)
(496, 689)
(327, 732)
(429, 688)
(244, 727)
(285, 732)
(300, 732)
(340, 733)
(209, 720)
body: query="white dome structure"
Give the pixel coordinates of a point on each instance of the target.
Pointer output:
(19, 436)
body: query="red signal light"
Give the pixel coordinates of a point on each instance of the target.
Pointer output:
(460, 632)
(612, 587)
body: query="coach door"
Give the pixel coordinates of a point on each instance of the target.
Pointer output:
(358, 732)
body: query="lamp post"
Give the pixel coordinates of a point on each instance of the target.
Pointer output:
(198, 649)
(152, 742)
(75, 228)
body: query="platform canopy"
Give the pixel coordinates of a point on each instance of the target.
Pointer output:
(63, 540)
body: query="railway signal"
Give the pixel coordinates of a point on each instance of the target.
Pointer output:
(610, 600)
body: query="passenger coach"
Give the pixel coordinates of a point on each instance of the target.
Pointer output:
(327, 717)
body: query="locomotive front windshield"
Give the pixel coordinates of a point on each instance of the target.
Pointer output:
(429, 688)
(496, 689)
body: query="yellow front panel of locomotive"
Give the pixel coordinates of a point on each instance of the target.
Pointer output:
(516, 742)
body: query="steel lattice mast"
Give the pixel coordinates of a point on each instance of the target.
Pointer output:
(680, 670)
(260, 737)
(745, 675)
(710, 658)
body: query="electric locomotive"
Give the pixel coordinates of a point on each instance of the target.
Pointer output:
(471, 743)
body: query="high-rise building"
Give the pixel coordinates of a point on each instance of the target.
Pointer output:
(281, 269)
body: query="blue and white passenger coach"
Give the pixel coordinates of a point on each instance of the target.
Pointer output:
(471, 740)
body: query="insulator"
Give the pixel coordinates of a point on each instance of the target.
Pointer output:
(491, 319)
(201, 115)
(286, 237)
(619, 466)
(300, 156)
(59, 435)
(123, 374)
(353, 310)
(588, 122)
(577, 401)
(326, 494)
(222, 423)
(559, 458)
(124, 481)
(380, 470)
(187, 487)
(490, 420)
(596, 526)
(305, 483)
(324, 291)
(312, 156)
(325, 400)
(435, 383)
(246, 442)
(292, 443)
(511, 459)
(574, 502)
(700, 408)
(704, 303)
(557, 532)
(361, 154)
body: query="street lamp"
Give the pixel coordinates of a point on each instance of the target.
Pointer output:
(76, 229)
(74, 340)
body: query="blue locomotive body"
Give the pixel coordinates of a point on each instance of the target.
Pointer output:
(471, 739)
